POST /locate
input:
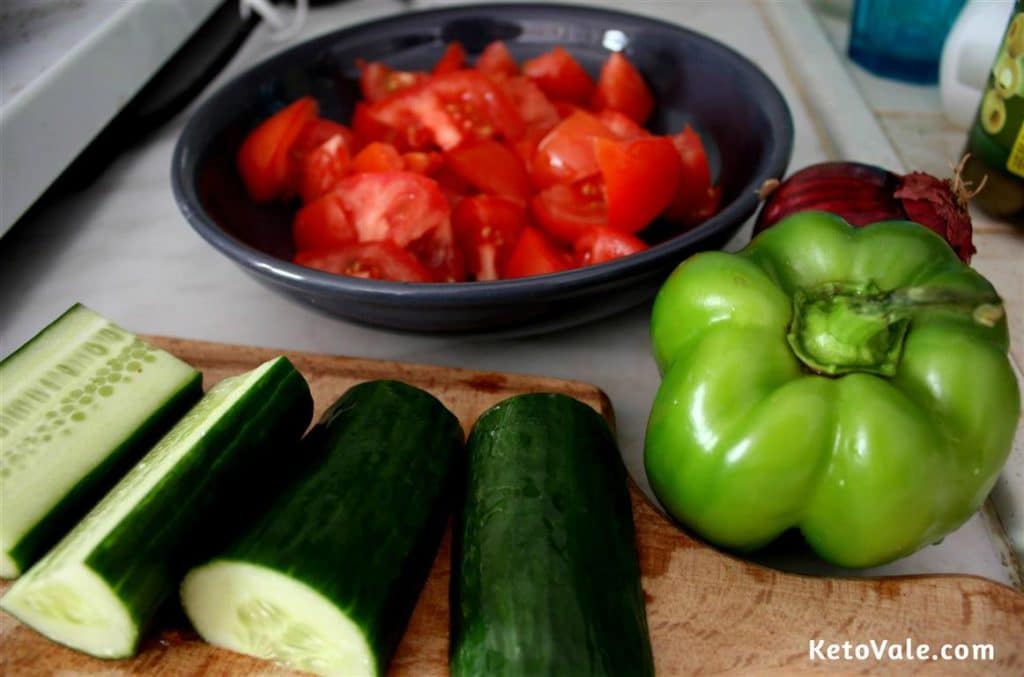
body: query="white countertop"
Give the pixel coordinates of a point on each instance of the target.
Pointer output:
(122, 247)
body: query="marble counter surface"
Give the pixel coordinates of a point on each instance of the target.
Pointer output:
(122, 247)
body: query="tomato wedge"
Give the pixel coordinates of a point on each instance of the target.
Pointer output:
(377, 157)
(497, 60)
(264, 159)
(620, 87)
(567, 212)
(397, 206)
(323, 224)
(534, 108)
(422, 163)
(566, 154)
(378, 81)
(368, 260)
(533, 254)
(315, 133)
(601, 244)
(453, 59)
(323, 168)
(691, 195)
(640, 178)
(487, 227)
(439, 254)
(621, 126)
(560, 76)
(491, 168)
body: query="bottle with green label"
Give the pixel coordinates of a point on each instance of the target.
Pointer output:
(995, 143)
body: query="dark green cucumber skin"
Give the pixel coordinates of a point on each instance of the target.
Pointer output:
(91, 488)
(545, 577)
(207, 496)
(362, 526)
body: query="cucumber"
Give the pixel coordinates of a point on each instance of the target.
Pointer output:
(545, 579)
(82, 401)
(97, 589)
(326, 580)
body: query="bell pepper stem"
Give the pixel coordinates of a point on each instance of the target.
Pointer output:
(839, 328)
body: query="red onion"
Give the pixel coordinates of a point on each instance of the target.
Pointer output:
(863, 194)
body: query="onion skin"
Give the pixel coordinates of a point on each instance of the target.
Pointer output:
(864, 194)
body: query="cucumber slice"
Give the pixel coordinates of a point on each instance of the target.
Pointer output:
(100, 586)
(545, 578)
(327, 579)
(82, 401)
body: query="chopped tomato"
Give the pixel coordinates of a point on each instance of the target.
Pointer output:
(323, 224)
(453, 59)
(694, 178)
(567, 212)
(565, 109)
(706, 208)
(497, 60)
(491, 168)
(264, 159)
(640, 178)
(601, 244)
(323, 168)
(439, 254)
(377, 157)
(534, 107)
(316, 132)
(422, 163)
(449, 109)
(620, 87)
(487, 227)
(378, 81)
(397, 206)
(560, 76)
(533, 254)
(526, 146)
(621, 126)
(368, 260)
(368, 128)
(566, 154)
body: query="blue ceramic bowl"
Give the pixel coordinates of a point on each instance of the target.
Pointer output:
(742, 117)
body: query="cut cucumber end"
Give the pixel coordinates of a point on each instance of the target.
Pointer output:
(75, 607)
(260, 612)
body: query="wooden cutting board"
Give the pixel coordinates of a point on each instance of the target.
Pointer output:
(708, 612)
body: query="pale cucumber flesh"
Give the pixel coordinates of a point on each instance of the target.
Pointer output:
(62, 596)
(260, 612)
(77, 401)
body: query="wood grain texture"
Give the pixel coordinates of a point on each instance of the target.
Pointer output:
(708, 612)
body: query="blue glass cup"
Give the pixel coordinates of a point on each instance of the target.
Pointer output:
(902, 39)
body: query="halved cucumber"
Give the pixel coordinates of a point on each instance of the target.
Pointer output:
(82, 401)
(100, 586)
(545, 578)
(326, 580)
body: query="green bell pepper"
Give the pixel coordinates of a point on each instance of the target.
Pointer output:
(851, 383)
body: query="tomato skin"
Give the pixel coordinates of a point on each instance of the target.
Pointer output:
(398, 206)
(453, 59)
(601, 244)
(691, 193)
(368, 128)
(368, 260)
(533, 254)
(377, 157)
(567, 212)
(491, 168)
(621, 126)
(560, 76)
(534, 108)
(377, 80)
(323, 168)
(620, 87)
(566, 154)
(316, 132)
(497, 60)
(323, 224)
(640, 178)
(264, 158)
(487, 227)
